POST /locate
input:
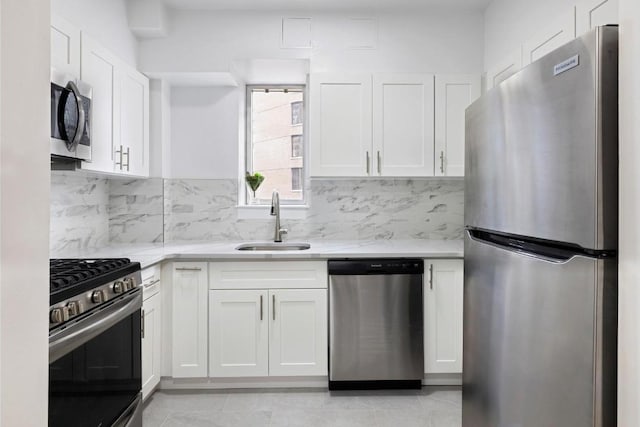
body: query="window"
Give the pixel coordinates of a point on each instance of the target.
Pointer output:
(297, 113)
(275, 143)
(296, 145)
(296, 179)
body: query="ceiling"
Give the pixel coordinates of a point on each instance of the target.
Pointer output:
(328, 5)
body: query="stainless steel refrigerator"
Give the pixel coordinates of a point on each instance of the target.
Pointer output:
(541, 215)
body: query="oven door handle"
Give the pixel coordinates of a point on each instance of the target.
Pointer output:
(75, 335)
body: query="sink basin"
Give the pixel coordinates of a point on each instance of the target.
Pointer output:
(272, 246)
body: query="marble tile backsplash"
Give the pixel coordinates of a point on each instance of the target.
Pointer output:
(136, 210)
(79, 214)
(339, 210)
(89, 212)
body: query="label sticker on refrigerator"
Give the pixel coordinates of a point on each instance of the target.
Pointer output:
(566, 65)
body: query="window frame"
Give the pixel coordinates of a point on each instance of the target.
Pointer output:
(245, 197)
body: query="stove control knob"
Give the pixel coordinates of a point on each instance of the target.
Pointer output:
(74, 308)
(97, 297)
(59, 315)
(129, 283)
(118, 287)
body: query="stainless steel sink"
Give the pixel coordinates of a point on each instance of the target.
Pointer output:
(271, 246)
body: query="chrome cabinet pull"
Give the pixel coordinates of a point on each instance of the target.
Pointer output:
(128, 158)
(142, 325)
(261, 308)
(368, 164)
(379, 164)
(442, 161)
(274, 307)
(188, 269)
(148, 285)
(431, 276)
(119, 152)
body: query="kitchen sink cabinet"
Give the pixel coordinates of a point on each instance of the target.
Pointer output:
(443, 317)
(189, 319)
(268, 318)
(151, 330)
(238, 333)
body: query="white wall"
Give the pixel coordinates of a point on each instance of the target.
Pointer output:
(204, 133)
(509, 23)
(629, 248)
(442, 42)
(104, 20)
(24, 212)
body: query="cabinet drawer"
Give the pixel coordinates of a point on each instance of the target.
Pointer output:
(268, 275)
(150, 281)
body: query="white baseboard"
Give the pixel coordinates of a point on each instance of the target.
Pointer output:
(442, 379)
(168, 383)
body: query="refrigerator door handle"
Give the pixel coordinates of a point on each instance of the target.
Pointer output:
(544, 250)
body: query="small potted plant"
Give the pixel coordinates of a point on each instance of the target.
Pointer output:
(254, 181)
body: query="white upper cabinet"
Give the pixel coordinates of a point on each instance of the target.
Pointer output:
(454, 93)
(133, 123)
(98, 69)
(65, 46)
(504, 69)
(443, 317)
(340, 123)
(119, 112)
(591, 13)
(189, 314)
(403, 124)
(550, 38)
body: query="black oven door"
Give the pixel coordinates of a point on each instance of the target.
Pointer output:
(95, 367)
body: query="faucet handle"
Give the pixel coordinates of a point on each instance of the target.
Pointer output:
(283, 231)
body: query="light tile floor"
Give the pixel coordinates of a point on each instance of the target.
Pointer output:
(429, 407)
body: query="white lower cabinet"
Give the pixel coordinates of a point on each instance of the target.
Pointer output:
(151, 345)
(298, 332)
(189, 319)
(443, 317)
(239, 333)
(266, 331)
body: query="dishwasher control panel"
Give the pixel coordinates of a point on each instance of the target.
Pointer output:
(376, 266)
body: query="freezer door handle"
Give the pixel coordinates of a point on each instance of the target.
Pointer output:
(544, 250)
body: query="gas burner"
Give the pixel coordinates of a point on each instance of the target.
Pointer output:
(70, 277)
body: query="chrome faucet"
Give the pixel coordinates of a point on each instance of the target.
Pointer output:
(275, 211)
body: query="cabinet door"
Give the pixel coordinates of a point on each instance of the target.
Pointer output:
(239, 328)
(298, 332)
(592, 13)
(549, 39)
(403, 124)
(133, 130)
(151, 345)
(340, 138)
(443, 317)
(189, 349)
(504, 69)
(454, 93)
(65, 46)
(98, 69)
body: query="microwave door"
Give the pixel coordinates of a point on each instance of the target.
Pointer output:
(71, 116)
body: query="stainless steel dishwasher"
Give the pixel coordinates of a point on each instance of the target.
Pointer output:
(375, 323)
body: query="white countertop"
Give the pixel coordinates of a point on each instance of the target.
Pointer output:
(148, 254)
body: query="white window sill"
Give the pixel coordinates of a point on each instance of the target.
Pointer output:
(264, 211)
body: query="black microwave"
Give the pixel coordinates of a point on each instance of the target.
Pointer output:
(70, 117)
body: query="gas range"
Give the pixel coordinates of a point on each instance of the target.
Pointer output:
(80, 285)
(95, 331)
